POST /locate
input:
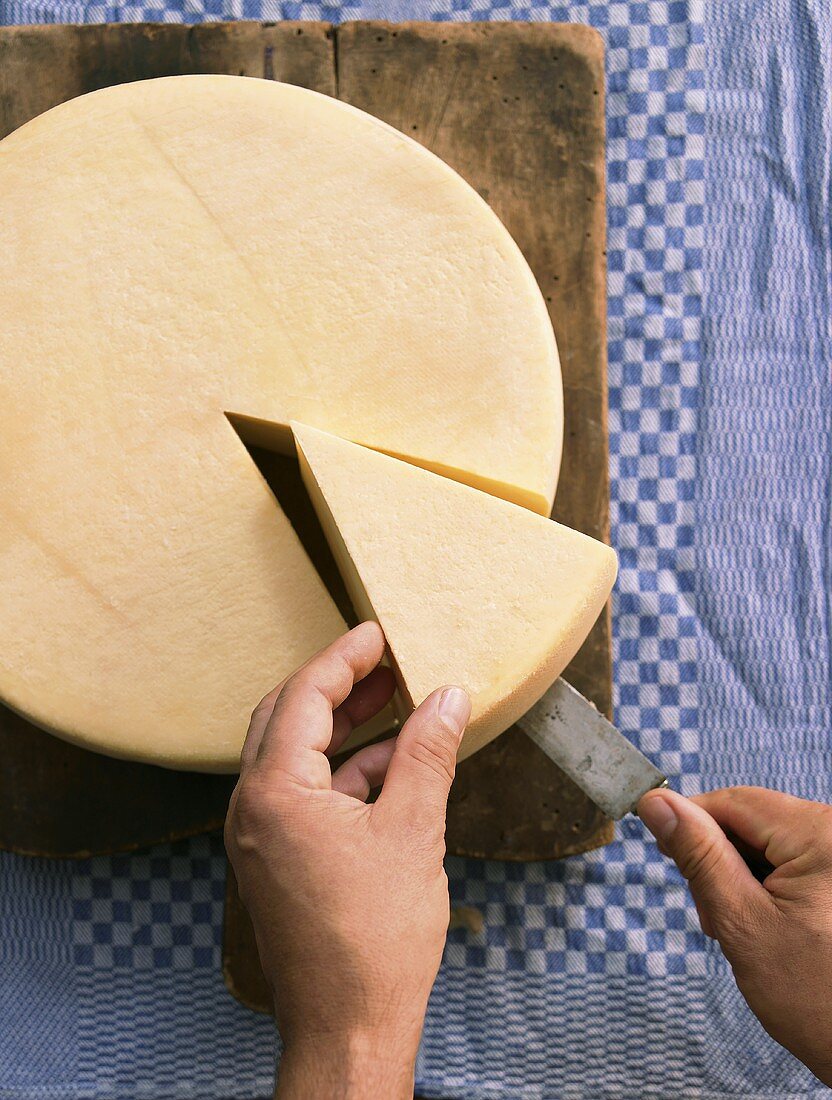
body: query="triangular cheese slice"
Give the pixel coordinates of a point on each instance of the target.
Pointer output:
(469, 589)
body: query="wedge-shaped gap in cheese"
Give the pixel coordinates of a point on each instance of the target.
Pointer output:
(469, 589)
(266, 434)
(281, 472)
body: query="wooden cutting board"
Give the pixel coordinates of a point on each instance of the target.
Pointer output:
(518, 110)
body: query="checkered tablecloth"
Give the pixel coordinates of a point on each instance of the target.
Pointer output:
(591, 978)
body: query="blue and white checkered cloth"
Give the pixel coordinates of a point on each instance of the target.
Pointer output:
(591, 978)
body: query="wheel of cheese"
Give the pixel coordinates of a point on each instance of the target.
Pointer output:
(469, 589)
(191, 259)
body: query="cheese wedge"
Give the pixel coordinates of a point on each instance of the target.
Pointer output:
(189, 258)
(469, 589)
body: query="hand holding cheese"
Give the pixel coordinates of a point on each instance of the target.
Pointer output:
(468, 588)
(349, 901)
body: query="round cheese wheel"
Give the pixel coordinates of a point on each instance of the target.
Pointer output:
(193, 259)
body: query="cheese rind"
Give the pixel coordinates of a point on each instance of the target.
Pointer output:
(177, 250)
(469, 589)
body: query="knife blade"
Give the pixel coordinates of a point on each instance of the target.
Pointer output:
(600, 760)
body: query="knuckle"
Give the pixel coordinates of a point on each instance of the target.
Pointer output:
(249, 816)
(344, 667)
(435, 749)
(294, 684)
(302, 676)
(261, 706)
(700, 861)
(265, 705)
(302, 683)
(228, 828)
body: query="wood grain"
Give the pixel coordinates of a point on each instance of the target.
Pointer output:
(43, 66)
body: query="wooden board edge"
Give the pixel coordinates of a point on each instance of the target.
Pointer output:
(75, 855)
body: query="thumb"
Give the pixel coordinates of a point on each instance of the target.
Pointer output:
(730, 902)
(424, 761)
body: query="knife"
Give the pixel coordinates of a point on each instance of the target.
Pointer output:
(599, 759)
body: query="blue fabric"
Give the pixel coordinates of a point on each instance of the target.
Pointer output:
(591, 978)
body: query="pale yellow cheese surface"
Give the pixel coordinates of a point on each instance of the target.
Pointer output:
(469, 589)
(177, 250)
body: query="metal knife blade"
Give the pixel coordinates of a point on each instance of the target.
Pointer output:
(580, 740)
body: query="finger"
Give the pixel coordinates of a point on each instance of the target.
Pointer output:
(365, 700)
(363, 703)
(257, 725)
(300, 728)
(423, 764)
(732, 905)
(365, 770)
(779, 826)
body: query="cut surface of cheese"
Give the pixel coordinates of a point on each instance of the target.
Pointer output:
(469, 589)
(189, 256)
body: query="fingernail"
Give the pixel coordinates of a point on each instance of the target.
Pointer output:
(659, 817)
(454, 708)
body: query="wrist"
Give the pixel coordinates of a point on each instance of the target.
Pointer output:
(350, 1066)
